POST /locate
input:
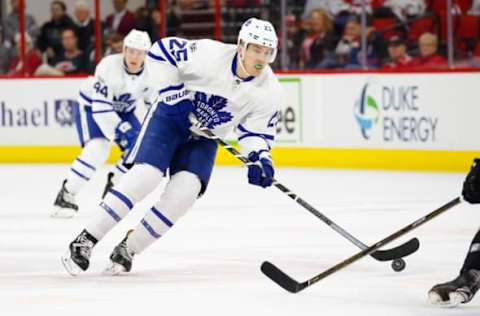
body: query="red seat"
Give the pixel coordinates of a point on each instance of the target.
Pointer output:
(444, 26)
(467, 32)
(464, 5)
(476, 51)
(377, 3)
(385, 26)
(467, 27)
(420, 26)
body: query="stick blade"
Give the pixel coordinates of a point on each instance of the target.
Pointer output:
(401, 251)
(279, 277)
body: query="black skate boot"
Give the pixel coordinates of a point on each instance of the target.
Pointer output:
(64, 205)
(459, 291)
(77, 258)
(121, 258)
(109, 184)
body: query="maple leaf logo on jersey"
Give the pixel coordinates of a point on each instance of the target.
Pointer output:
(208, 110)
(123, 102)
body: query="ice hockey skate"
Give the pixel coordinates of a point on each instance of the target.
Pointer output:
(64, 205)
(77, 258)
(459, 291)
(121, 258)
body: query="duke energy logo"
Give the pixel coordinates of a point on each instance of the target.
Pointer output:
(366, 112)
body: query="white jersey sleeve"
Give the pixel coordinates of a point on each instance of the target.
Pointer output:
(102, 100)
(257, 130)
(166, 59)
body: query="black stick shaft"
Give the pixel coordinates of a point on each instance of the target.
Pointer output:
(382, 242)
(281, 187)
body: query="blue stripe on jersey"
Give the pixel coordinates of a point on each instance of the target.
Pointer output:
(161, 217)
(102, 111)
(250, 134)
(83, 96)
(110, 212)
(86, 164)
(156, 57)
(122, 198)
(171, 88)
(80, 174)
(102, 101)
(150, 230)
(166, 53)
(120, 169)
(234, 70)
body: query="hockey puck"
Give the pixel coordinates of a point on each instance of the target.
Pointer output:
(398, 265)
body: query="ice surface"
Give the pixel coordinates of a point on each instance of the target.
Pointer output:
(208, 264)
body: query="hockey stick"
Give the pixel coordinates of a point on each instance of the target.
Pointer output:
(291, 285)
(382, 255)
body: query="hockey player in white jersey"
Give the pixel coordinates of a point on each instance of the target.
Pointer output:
(105, 114)
(226, 87)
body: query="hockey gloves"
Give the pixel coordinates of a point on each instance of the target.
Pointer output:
(125, 135)
(261, 172)
(471, 185)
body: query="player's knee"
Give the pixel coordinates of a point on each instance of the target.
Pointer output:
(96, 151)
(180, 194)
(139, 181)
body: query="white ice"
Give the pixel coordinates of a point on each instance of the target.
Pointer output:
(208, 264)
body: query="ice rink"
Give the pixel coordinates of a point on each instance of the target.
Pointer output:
(208, 263)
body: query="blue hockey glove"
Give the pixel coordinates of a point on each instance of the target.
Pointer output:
(261, 173)
(125, 135)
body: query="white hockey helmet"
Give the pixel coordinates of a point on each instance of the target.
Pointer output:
(260, 32)
(138, 40)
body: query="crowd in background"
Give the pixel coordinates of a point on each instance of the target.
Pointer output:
(321, 34)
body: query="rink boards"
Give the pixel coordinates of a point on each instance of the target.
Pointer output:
(423, 121)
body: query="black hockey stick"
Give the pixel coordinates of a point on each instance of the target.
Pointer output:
(291, 285)
(382, 255)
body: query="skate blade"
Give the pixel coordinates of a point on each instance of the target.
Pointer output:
(114, 269)
(455, 299)
(71, 267)
(62, 212)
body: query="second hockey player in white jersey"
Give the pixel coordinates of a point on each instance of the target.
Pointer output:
(106, 113)
(226, 87)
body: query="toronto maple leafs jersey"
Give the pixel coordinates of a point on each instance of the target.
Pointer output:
(113, 90)
(204, 71)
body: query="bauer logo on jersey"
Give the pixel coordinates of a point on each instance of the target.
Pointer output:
(123, 103)
(64, 111)
(208, 110)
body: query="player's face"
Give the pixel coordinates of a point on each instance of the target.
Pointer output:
(134, 58)
(256, 58)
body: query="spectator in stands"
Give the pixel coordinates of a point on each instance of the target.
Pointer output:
(172, 26)
(122, 20)
(404, 9)
(11, 27)
(85, 26)
(397, 50)
(49, 40)
(335, 7)
(338, 10)
(32, 58)
(71, 60)
(349, 50)
(317, 50)
(7, 52)
(429, 58)
(294, 41)
(114, 43)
